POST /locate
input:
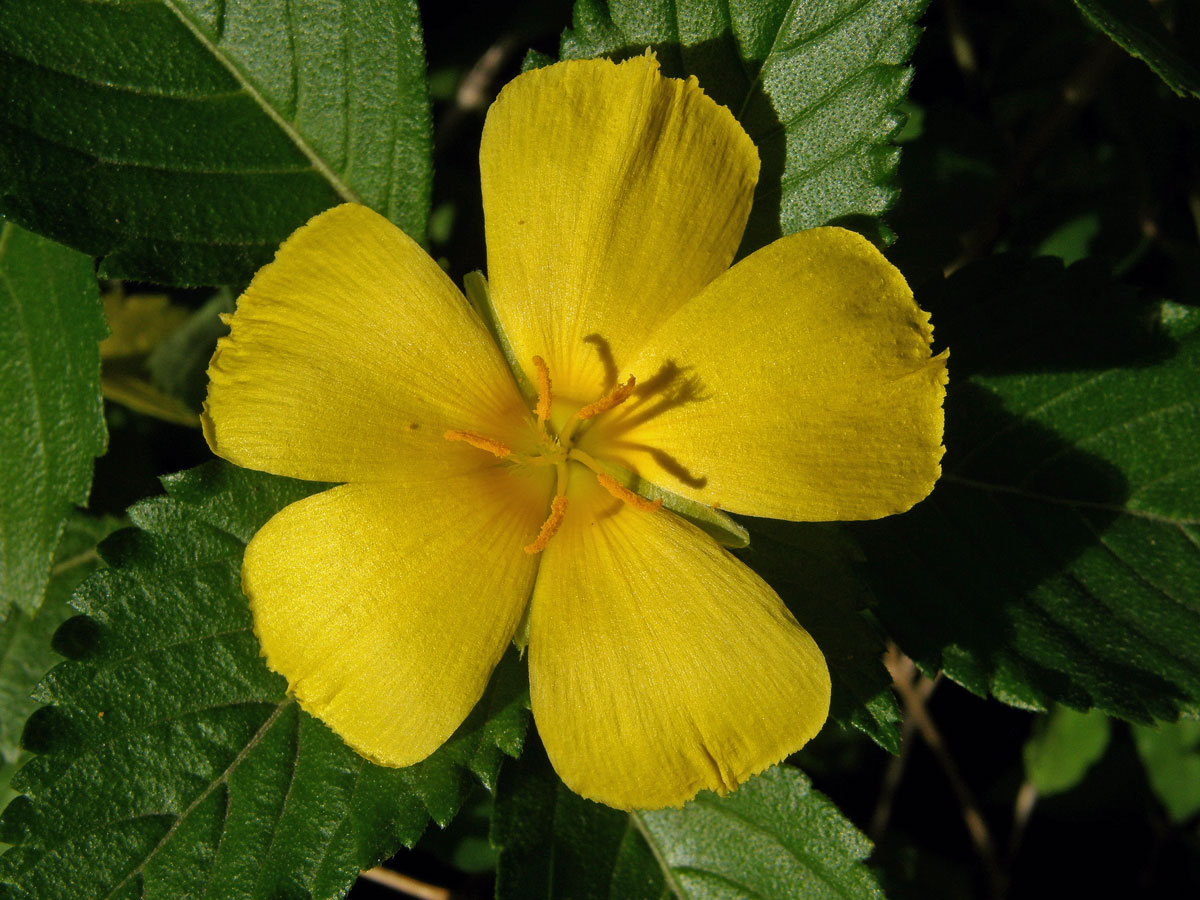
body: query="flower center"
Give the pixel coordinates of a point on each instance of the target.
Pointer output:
(557, 450)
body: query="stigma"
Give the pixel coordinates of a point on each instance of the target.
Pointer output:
(558, 450)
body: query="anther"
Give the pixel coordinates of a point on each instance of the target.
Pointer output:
(615, 397)
(621, 492)
(479, 441)
(558, 509)
(544, 395)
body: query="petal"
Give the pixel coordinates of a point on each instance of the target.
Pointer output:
(797, 386)
(386, 608)
(611, 196)
(350, 356)
(659, 665)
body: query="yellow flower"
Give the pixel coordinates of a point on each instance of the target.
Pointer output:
(797, 384)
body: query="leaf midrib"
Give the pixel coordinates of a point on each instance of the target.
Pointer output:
(203, 795)
(293, 134)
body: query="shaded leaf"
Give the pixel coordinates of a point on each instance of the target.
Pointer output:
(773, 838)
(172, 762)
(1136, 26)
(182, 141)
(1171, 755)
(1064, 746)
(1059, 557)
(816, 86)
(49, 403)
(25, 651)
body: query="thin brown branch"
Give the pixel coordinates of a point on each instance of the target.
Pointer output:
(477, 89)
(914, 695)
(1077, 91)
(410, 887)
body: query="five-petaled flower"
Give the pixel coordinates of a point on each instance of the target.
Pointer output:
(485, 484)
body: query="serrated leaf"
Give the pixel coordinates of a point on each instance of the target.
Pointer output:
(25, 650)
(53, 418)
(1136, 26)
(813, 567)
(183, 140)
(172, 762)
(774, 838)
(1058, 560)
(1171, 756)
(1064, 745)
(816, 86)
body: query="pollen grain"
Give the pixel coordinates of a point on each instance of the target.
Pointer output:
(615, 397)
(558, 509)
(544, 395)
(492, 446)
(621, 492)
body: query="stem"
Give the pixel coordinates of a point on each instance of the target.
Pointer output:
(405, 885)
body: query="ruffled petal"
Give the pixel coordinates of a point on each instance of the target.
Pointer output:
(797, 386)
(386, 608)
(349, 358)
(659, 665)
(611, 195)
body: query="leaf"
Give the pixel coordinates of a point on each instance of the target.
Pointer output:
(813, 567)
(1058, 560)
(1171, 755)
(1064, 748)
(183, 140)
(49, 403)
(25, 652)
(172, 763)
(816, 86)
(774, 838)
(1136, 26)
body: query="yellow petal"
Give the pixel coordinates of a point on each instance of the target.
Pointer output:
(350, 356)
(659, 665)
(611, 196)
(386, 608)
(797, 386)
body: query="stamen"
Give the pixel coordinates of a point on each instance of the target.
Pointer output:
(621, 492)
(615, 397)
(493, 447)
(544, 395)
(558, 509)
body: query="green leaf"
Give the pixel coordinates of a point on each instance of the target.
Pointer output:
(774, 838)
(49, 402)
(814, 568)
(1058, 560)
(817, 87)
(1136, 26)
(1171, 755)
(25, 651)
(183, 140)
(1063, 747)
(172, 763)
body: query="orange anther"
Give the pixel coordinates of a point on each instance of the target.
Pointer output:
(478, 440)
(558, 509)
(544, 395)
(615, 397)
(621, 492)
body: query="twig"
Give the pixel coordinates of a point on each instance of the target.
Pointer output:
(960, 41)
(1023, 805)
(1076, 92)
(477, 87)
(405, 885)
(981, 836)
(901, 667)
